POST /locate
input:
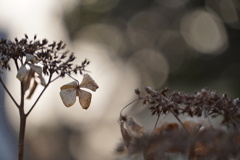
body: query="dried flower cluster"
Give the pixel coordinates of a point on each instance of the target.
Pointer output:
(204, 102)
(190, 139)
(51, 56)
(35, 58)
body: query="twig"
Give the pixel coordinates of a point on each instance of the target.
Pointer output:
(55, 79)
(8, 92)
(178, 120)
(40, 95)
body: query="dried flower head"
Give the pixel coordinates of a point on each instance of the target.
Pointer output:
(51, 56)
(69, 92)
(203, 102)
(35, 58)
(192, 138)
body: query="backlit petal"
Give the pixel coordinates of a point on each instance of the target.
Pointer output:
(36, 68)
(84, 98)
(73, 84)
(68, 96)
(43, 82)
(22, 72)
(32, 58)
(134, 128)
(88, 83)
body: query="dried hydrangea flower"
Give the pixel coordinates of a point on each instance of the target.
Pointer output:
(70, 91)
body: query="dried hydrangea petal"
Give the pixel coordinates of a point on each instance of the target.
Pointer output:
(84, 98)
(73, 84)
(36, 68)
(22, 72)
(31, 58)
(88, 83)
(68, 96)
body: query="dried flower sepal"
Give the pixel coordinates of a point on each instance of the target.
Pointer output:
(28, 75)
(70, 91)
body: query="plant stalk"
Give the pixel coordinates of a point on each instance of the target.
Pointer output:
(22, 129)
(23, 119)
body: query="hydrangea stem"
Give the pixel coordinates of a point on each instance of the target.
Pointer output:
(21, 135)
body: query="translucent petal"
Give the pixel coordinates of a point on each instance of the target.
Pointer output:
(32, 58)
(36, 68)
(22, 72)
(127, 138)
(27, 79)
(73, 84)
(88, 83)
(32, 90)
(134, 128)
(68, 96)
(43, 82)
(84, 98)
(29, 57)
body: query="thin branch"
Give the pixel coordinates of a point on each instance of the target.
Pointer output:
(178, 120)
(8, 92)
(40, 95)
(127, 106)
(16, 64)
(156, 122)
(73, 78)
(55, 79)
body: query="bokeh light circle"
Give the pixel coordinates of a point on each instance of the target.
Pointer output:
(204, 32)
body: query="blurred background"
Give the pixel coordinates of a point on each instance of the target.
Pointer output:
(185, 45)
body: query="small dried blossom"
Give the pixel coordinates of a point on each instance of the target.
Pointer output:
(70, 91)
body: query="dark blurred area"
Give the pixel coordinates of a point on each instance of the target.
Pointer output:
(185, 45)
(182, 44)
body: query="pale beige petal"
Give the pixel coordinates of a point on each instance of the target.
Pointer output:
(32, 90)
(73, 84)
(134, 128)
(68, 96)
(84, 98)
(28, 79)
(43, 82)
(127, 138)
(31, 58)
(88, 83)
(36, 68)
(22, 72)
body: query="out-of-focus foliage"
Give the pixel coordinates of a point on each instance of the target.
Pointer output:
(182, 44)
